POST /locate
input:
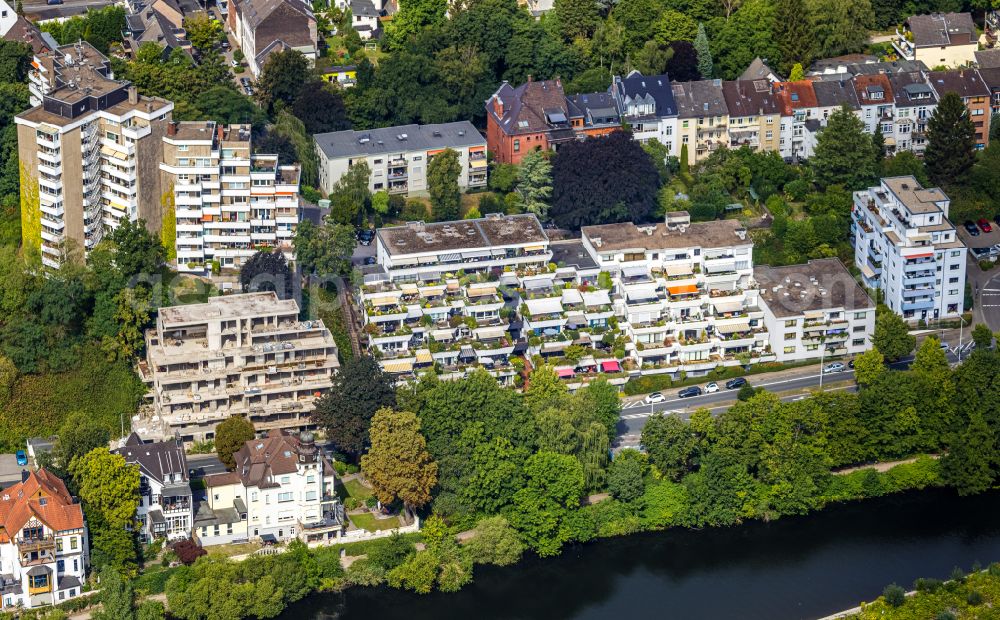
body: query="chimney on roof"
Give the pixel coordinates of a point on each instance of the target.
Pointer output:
(24, 475)
(172, 129)
(133, 95)
(530, 78)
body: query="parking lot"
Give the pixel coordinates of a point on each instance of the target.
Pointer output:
(983, 239)
(10, 471)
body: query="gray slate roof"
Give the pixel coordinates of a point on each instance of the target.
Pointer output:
(156, 460)
(702, 98)
(351, 143)
(942, 29)
(836, 93)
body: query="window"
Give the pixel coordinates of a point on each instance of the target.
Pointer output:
(953, 291)
(38, 581)
(285, 480)
(253, 496)
(60, 566)
(310, 496)
(860, 315)
(310, 478)
(791, 323)
(790, 349)
(858, 342)
(72, 543)
(956, 252)
(59, 545)
(790, 336)
(285, 497)
(517, 145)
(858, 329)
(952, 280)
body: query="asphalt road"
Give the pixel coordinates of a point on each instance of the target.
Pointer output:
(205, 464)
(634, 414)
(989, 301)
(42, 11)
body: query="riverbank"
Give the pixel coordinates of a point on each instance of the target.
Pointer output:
(789, 569)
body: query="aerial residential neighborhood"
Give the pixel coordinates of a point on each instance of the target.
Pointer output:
(554, 309)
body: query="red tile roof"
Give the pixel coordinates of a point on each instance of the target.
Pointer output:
(865, 84)
(795, 95)
(525, 107)
(41, 495)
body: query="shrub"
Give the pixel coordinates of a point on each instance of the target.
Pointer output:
(974, 598)
(894, 595)
(926, 584)
(351, 503)
(957, 574)
(945, 615)
(188, 551)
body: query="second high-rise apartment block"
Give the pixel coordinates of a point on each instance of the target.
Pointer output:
(239, 355)
(905, 246)
(229, 202)
(88, 155)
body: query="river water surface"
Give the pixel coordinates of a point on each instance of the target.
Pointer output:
(793, 568)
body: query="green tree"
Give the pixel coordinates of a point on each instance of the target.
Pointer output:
(545, 390)
(496, 472)
(116, 596)
(673, 26)
(133, 317)
(840, 26)
(652, 58)
(78, 436)
(282, 78)
(442, 185)
(534, 184)
(670, 444)
(905, 163)
(350, 195)
(797, 73)
(553, 487)
(109, 490)
(844, 154)
(868, 367)
(137, 251)
(413, 18)
(878, 144)
(578, 18)
(495, 542)
(794, 36)
(892, 335)
(746, 34)
(951, 140)
(971, 460)
(398, 465)
(203, 31)
(345, 412)
(230, 435)
(326, 249)
(417, 573)
(701, 46)
(625, 476)
(982, 336)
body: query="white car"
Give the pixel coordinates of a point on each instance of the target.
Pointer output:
(655, 397)
(711, 387)
(834, 367)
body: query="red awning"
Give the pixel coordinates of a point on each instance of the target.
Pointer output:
(565, 372)
(925, 255)
(611, 366)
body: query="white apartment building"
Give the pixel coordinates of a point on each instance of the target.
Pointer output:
(398, 157)
(435, 299)
(905, 245)
(282, 488)
(246, 355)
(165, 508)
(814, 310)
(646, 103)
(228, 202)
(43, 543)
(683, 292)
(88, 155)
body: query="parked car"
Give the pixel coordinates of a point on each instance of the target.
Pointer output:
(365, 237)
(236, 64)
(655, 397)
(850, 364)
(981, 253)
(53, 1)
(248, 91)
(370, 260)
(735, 384)
(225, 44)
(985, 225)
(22, 458)
(245, 82)
(689, 392)
(711, 387)
(971, 228)
(996, 219)
(834, 367)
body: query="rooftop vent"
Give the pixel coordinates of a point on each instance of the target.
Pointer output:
(401, 137)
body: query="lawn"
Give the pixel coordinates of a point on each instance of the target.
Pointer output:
(232, 549)
(357, 490)
(367, 521)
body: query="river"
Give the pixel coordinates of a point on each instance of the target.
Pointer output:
(790, 569)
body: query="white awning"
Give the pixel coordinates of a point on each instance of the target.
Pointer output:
(451, 258)
(414, 312)
(409, 288)
(496, 252)
(476, 254)
(639, 293)
(429, 291)
(428, 260)
(867, 271)
(558, 345)
(597, 298)
(486, 333)
(635, 272)
(586, 361)
(571, 296)
(537, 283)
(678, 270)
(442, 335)
(727, 307)
(547, 305)
(732, 328)
(720, 267)
(479, 291)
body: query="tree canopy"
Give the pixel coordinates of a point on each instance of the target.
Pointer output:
(345, 412)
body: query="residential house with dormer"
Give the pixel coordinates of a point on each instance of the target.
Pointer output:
(646, 104)
(939, 40)
(165, 509)
(258, 25)
(282, 488)
(703, 117)
(800, 122)
(754, 114)
(915, 102)
(970, 86)
(43, 543)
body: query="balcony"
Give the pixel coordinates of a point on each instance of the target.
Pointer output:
(903, 44)
(30, 545)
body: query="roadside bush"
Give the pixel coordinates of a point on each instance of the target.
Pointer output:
(894, 595)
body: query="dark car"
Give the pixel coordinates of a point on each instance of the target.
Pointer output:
(850, 364)
(365, 237)
(370, 260)
(53, 1)
(245, 81)
(997, 220)
(734, 384)
(985, 225)
(971, 228)
(689, 392)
